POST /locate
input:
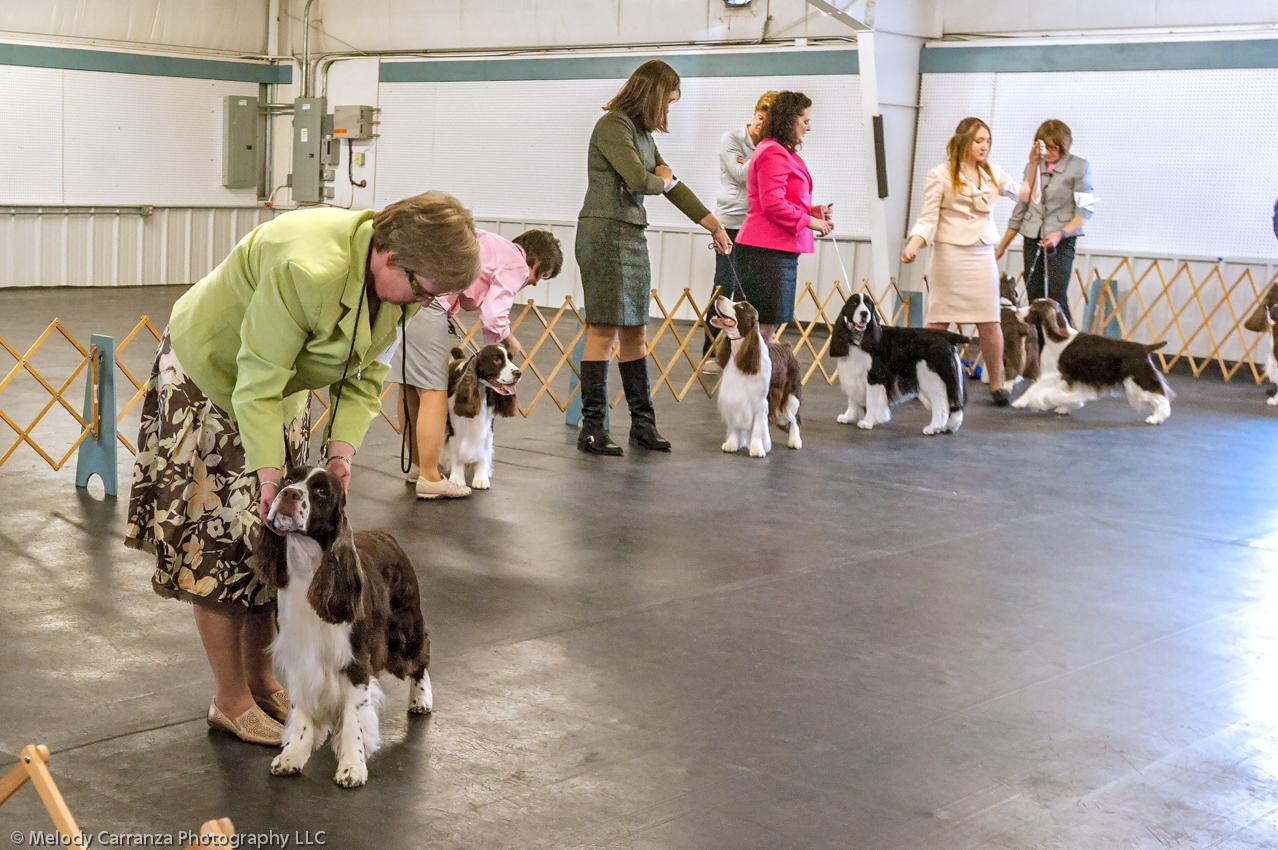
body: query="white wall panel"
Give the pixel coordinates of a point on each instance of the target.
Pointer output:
(31, 101)
(518, 149)
(132, 139)
(238, 25)
(975, 16)
(1181, 159)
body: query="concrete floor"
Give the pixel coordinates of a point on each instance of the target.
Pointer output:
(1038, 633)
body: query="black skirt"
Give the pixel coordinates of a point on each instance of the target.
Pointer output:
(769, 278)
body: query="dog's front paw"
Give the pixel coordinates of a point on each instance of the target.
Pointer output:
(730, 447)
(933, 430)
(794, 442)
(1063, 411)
(420, 698)
(481, 482)
(757, 450)
(285, 764)
(1273, 402)
(1022, 402)
(351, 775)
(844, 418)
(865, 424)
(1154, 419)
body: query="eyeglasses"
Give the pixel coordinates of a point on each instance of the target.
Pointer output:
(420, 294)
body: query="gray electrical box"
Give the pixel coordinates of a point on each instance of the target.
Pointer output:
(239, 142)
(308, 137)
(354, 122)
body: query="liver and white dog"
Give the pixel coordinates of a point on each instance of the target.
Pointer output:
(1078, 367)
(760, 385)
(349, 609)
(879, 366)
(480, 388)
(1020, 344)
(1265, 320)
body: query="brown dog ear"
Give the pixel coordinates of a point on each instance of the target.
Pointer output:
(1053, 326)
(1031, 368)
(749, 355)
(270, 558)
(722, 349)
(466, 391)
(502, 405)
(336, 589)
(1258, 321)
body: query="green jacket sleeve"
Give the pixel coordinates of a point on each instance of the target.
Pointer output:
(273, 332)
(684, 199)
(615, 139)
(361, 400)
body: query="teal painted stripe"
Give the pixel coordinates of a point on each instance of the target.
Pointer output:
(1148, 56)
(73, 59)
(772, 63)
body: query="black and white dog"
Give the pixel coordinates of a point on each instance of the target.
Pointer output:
(1075, 368)
(349, 609)
(480, 388)
(879, 366)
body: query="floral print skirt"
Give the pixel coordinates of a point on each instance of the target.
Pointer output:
(193, 505)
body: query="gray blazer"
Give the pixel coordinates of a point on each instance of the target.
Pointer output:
(1071, 177)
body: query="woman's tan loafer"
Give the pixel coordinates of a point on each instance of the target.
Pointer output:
(276, 705)
(253, 726)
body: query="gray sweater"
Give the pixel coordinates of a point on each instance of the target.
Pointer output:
(731, 203)
(1071, 177)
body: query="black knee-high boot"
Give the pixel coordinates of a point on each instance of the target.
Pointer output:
(643, 419)
(593, 439)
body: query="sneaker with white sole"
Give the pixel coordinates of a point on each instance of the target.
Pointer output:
(441, 489)
(711, 367)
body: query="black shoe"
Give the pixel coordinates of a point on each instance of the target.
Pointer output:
(1002, 398)
(593, 439)
(643, 419)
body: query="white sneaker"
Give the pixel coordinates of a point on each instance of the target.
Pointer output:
(711, 367)
(413, 474)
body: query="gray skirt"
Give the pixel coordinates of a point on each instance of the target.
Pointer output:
(425, 347)
(615, 272)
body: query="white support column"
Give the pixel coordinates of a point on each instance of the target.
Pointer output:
(879, 257)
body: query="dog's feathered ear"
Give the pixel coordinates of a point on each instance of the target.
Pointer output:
(336, 589)
(502, 405)
(465, 391)
(1258, 321)
(722, 349)
(270, 558)
(749, 356)
(873, 329)
(1031, 368)
(1055, 323)
(840, 339)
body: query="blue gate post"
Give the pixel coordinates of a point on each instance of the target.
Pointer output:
(914, 319)
(98, 451)
(572, 416)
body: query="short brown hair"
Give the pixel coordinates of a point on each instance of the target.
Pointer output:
(1056, 133)
(434, 235)
(645, 98)
(765, 101)
(956, 148)
(783, 115)
(543, 251)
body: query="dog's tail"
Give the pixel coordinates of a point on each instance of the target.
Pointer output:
(457, 353)
(956, 339)
(1154, 346)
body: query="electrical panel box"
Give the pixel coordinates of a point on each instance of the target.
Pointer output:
(354, 122)
(239, 142)
(308, 138)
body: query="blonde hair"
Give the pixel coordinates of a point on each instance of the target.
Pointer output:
(956, 148)
(765, 101)
(434, 235)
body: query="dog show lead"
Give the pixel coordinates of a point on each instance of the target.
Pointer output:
(623, 166)
(962, 274)
(298, 302)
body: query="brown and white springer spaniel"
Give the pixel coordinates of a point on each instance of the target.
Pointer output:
(760, 385)
(1265, 320)
(1020, 344)
(349, 609)
(1078, 367)
(480, 388)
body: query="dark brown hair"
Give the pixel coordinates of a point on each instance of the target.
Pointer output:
(543, 251)
(1056, 133)
(783, 115)
(645, 98)
(956, 148)
(434, 235)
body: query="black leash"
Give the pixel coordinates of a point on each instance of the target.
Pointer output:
(337, 399)
(737, 288)
(405, 448)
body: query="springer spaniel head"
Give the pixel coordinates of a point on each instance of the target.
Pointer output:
(858, 324)
(1049, 319)
(1007, 294)
(739, 321)
(1265, 315)
(492, 372)
(311, 503)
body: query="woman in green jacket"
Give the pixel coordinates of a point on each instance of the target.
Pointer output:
(306, 301)
(612, 252)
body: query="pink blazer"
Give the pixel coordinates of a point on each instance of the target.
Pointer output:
(779, 190)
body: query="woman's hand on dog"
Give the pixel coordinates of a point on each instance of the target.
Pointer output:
(269, 486)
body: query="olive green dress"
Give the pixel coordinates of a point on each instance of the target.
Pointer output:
(612, 251)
